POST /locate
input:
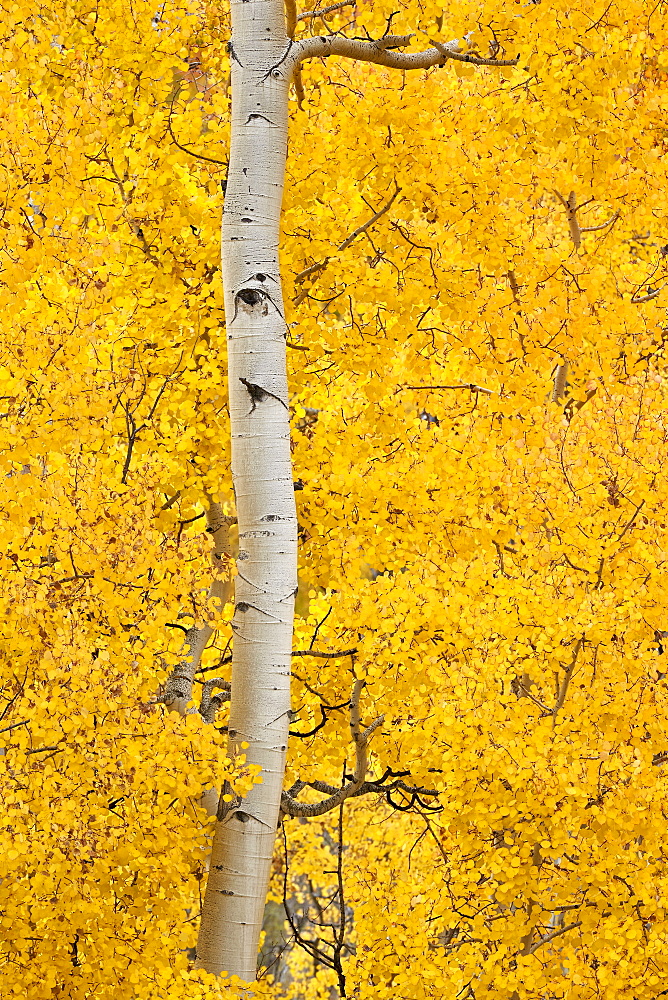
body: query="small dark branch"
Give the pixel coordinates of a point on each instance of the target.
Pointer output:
(132, 431)
(324, 656)
(308, 271)
(184, 149)
(340, 935)
(367, 225)
(216, 666)
(552, 935)
(172, 500)
(174, 625)
(563, 688)
(629, 524)
(14, 725)
(466, 385)
(318, 627)
(11, 702)
(74, 952)
(312, 732)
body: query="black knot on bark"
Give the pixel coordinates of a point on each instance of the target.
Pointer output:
(251, 296)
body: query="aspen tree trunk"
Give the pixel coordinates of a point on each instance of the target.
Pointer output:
(267, 563)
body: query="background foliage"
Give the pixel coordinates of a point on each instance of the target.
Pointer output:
(495, 559)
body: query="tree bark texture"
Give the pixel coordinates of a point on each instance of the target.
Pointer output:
(266, 583)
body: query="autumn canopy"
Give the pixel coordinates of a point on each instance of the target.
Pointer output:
(472, 303)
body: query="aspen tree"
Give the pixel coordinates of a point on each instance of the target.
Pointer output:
(264, 58)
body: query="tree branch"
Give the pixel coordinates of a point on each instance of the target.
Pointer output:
(559, 384)
(178, 689)
(552, 935)
(466, 385)
(568, 673)
(210, 703)
(361, 737)
(378, 52)
(326, 10)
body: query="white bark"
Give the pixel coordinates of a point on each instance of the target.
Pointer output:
(267, 563)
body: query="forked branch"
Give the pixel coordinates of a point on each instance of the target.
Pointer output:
(563, 687)
(361, 738)
(571, 209)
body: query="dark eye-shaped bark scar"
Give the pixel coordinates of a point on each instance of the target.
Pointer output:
(244, 606)
(258, 395)
(253, 301)
(233, 55)
(253, 117)
(273, 71)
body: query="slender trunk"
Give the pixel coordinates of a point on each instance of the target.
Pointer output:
(267, 563)
(178, 691)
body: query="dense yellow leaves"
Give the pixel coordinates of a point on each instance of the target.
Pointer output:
(497, 560)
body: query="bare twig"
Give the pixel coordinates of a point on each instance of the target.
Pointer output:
(311, 270)
(629, 523)
(604, 225)
(324, 656)
(466, 385)
(637, 300)
(374, 218)
(321, 265)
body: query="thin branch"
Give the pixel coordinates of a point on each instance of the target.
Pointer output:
(367, 225)
(568, 673)
(290, 18)
(324, 656)
(326, 10)
(629, 523)
(604, 225)
(466, 385)
(299, 298)
(184, 149)
(559, 384)
(552, 935)
(379, 52)
(14, 725)
(311, 270)
(638, 300)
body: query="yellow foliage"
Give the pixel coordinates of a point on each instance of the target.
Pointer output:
(496, 559)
